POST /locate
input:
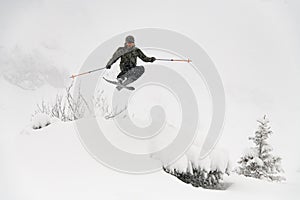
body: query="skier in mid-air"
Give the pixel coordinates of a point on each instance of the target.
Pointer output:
(129, 71)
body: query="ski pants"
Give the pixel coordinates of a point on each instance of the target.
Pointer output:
(134, 73)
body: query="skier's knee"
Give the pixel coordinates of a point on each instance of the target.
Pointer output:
(142, 68)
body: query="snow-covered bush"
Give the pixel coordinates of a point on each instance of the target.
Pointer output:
(258, 162)
(66, 107)
(207, 173)
(40, 120)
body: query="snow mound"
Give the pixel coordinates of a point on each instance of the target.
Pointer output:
(217, 160)
(220, 160)
(204, 164)
(193, 154)
(40, 120)
(252, 155)
(257, 161)
(250, 152)
(181, 165)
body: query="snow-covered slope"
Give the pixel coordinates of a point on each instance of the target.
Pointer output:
(52, 164)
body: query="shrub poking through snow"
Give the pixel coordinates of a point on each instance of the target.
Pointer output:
(258, 162)
(40, 120)
(66, 107)
(206, 173)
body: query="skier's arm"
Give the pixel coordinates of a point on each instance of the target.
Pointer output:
(114, 58)
(144, 58)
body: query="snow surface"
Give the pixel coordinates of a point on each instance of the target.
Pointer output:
(218, 159)
(53, 160)
(181, 165)
(50, 163)
(40, 120)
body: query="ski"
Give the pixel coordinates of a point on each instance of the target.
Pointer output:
(118, 84)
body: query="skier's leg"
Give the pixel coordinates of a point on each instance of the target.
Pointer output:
(132, 75)
(121, 76)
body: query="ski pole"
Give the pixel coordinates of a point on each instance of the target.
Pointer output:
(180, 60)
(73, 76)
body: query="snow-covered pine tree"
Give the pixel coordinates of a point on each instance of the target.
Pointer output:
(258, 162)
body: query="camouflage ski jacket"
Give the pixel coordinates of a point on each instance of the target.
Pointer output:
(128, 57)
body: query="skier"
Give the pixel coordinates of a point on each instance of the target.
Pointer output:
(128, 54)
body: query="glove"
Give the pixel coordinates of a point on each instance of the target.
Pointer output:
(108, 66)
(153, 59)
